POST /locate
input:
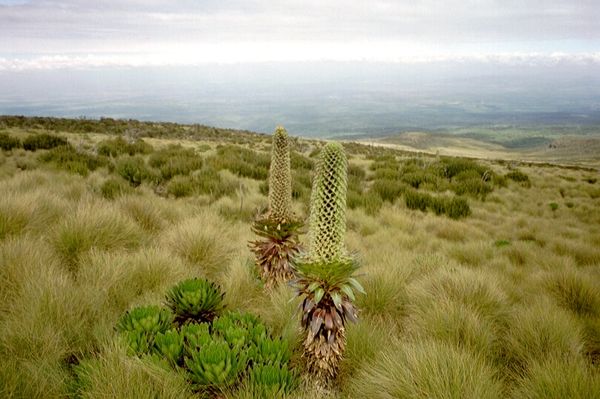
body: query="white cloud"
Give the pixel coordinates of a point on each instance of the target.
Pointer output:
(285, 52)
(290, 30)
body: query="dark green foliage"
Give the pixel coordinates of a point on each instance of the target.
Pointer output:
(128, 126)
(471, 183)
(208, 181)
(457, 208)
(195, 300)
(241, 161)
(180, 186)
(67, 158)
(133, 169)
(114, 187)
(8, 143)
(453, 207)
(120, 146)
(518, 176)
(553, 206)
(175, 160)
(501, 243)
(387, 189)
(451, 167)
(43, 141)
(417, 200)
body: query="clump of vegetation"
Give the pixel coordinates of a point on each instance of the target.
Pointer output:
(43, 141)
(119, 146)
(8, 143)
(325, 277)
(278, 229)
(218, 355)
(175, 160)
(454, 207)
(133, 169)
(66, 157)
(518, 176)
(114, 187)
(241, 161)
(196, 300)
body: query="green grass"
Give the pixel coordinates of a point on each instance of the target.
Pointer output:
(426, 369)
(502, 301)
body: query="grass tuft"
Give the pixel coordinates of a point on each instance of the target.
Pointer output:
(426, 369)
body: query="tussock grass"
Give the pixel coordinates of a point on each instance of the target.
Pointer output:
(114, 374)
(203, 241)
(426, 369)
(539, 331)
(555, 378)
(93, 225)
(575, 291)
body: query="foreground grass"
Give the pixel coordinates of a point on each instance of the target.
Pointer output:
(502, 303)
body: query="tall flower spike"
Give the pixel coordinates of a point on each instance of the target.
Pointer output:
(324, 278)
(327, 223)
(278, 229)
(280, 177)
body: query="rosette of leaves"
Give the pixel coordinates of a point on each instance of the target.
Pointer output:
(325, 279)
(215, 365)
(278, 229)
(271, 381)
(195, 336)
(272, 351)
(169, 345)
(146, 319)
(195, 299)
(239, 330)
(139, 326)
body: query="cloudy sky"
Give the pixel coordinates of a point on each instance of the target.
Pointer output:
(84, 33)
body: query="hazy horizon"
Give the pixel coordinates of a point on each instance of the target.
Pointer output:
(322, 69)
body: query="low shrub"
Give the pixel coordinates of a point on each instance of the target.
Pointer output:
(43, 141)
(114, 187)
(133, 169)
(175, 160)
(8, 143)
(518, 176)
(241, 161)
(180, 186)
(387, 189)
(67, 158)
(417, 200)
(457, 208)
(120, 146)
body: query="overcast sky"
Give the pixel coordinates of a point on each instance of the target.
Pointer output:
(76, 33)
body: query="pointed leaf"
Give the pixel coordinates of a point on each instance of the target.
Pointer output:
(356, 285)
(337, 299)
(348, 291)
(319, 292)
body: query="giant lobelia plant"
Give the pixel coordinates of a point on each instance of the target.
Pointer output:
(325, 279)
(278, 228)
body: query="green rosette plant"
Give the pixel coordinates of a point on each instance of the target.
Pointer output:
(195, 299)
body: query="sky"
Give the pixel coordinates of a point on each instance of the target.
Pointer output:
(50, 34)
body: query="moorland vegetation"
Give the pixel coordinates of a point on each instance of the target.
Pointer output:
(125, 269)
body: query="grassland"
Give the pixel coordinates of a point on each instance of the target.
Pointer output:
(502, 301)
